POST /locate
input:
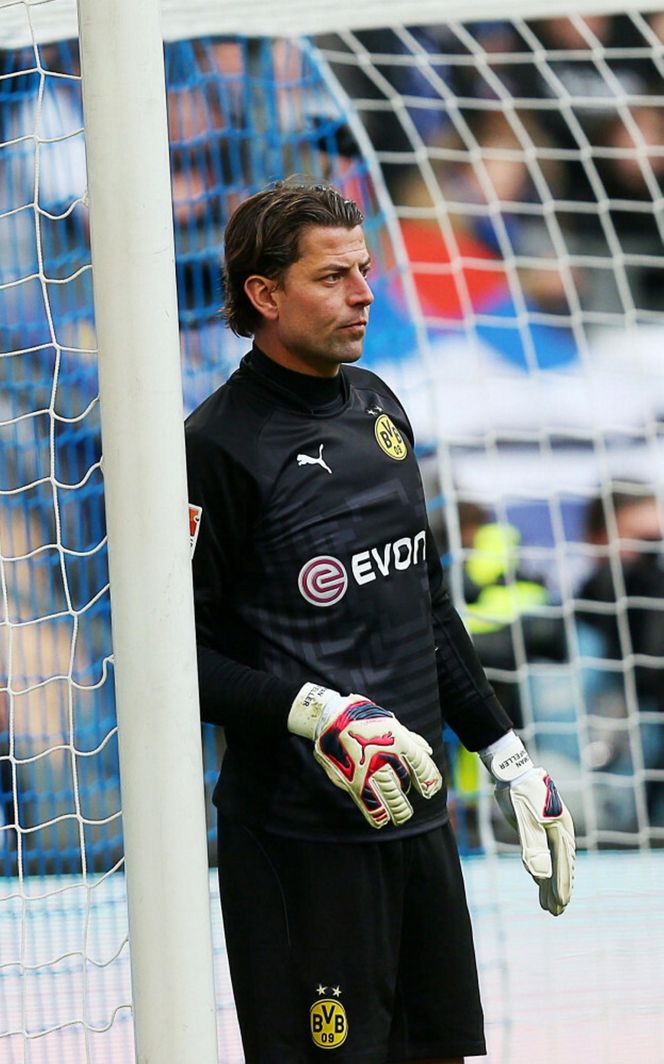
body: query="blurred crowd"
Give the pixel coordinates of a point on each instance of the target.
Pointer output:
(523, 164)
(522, 117)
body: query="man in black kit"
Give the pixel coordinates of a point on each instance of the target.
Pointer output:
(316, 575)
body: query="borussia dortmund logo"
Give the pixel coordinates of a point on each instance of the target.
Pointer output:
(329, 1024)
(389, 438)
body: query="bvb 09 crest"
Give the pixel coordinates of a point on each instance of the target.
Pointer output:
(389, 439)
(329, 1024)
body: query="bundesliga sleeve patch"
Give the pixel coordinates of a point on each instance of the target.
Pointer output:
(195, 513)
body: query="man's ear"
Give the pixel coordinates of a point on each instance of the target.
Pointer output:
(260, 291)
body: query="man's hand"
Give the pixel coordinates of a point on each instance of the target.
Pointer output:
(529, 801)
(366, 752)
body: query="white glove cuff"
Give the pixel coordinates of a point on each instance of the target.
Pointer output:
(310, 709)
(507, 759)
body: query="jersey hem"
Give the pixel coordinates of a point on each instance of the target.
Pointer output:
(382, 835)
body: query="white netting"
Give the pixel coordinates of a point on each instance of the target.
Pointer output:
(60, 833)
(511, 173)
(524, 162)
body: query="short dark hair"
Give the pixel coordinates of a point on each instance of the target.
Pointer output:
(630, 493)
(263, 237)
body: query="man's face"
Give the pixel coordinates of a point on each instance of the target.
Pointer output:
(322, 306)
(639, 522)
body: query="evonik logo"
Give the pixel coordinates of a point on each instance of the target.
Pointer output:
(323, 580)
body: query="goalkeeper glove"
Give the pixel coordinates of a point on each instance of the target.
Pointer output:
(529, 801)
(365, 751)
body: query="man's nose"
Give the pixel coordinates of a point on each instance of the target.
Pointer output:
(361, 292)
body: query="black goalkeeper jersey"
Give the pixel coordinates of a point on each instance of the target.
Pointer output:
(314, 562)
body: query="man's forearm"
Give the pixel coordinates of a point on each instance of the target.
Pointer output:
(243, 698)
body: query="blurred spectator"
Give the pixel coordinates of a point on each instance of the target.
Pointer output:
(589, 66)
(416, 82)
(622, 600)
(426, 69)
(481, 260)
(625, 525)
(630, 167)
(589, 87)
(502, 604)
(502, 609)
(585, 131)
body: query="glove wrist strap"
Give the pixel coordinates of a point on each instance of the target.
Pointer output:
(507, 759)
(308, 709)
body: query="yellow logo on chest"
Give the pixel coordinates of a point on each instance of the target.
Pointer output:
(389, 438)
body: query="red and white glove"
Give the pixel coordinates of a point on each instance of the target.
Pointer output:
(529, 801)
(366, 752)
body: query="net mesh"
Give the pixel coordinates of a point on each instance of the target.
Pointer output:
(510, 173)
(524, 162)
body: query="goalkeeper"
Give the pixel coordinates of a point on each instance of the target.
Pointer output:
(330, 653)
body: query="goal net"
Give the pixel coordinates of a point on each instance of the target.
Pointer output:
(510, 169)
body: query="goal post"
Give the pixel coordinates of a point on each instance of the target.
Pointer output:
(135, 301)
(133, 259)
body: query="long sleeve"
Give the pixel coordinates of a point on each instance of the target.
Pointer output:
(467, 699)
(249, 701)
(232, 692)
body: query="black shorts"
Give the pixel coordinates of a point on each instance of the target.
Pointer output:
(361, 948)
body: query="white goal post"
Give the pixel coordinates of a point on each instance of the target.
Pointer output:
(131, 228)
(56, 19)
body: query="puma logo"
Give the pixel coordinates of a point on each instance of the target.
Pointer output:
(375, 740)
(306, 459)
